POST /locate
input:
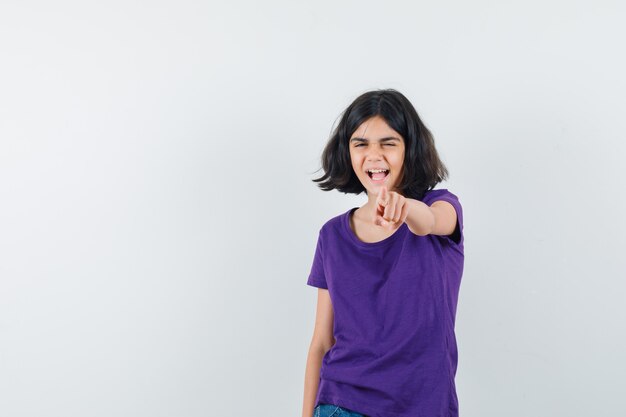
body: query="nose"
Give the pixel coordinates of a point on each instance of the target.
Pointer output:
(374, 153)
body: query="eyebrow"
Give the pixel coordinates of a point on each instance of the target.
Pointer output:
(387, 139)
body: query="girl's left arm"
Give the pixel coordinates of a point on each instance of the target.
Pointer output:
(437, 219)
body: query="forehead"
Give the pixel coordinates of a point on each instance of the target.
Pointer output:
(373, 128)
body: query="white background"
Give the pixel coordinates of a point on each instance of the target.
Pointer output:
(158, 219)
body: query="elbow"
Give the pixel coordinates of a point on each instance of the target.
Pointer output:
(322, 345)
(432, 225)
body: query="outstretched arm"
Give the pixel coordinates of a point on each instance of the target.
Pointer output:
(437, 219)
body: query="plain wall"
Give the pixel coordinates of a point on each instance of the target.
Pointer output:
(158, 220)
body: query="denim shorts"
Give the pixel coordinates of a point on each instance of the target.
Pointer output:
(330, 410)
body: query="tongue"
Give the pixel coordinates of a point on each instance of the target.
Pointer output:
(378, 176)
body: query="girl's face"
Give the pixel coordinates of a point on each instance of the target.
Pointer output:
(376, 145)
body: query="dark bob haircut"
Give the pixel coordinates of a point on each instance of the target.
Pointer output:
(422, 168)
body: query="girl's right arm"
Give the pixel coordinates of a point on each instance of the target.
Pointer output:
(321, 342)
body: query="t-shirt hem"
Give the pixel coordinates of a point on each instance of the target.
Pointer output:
(358, 407)
(317, 283)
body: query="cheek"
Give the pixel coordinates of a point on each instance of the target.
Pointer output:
(355, 160)
(399, 159)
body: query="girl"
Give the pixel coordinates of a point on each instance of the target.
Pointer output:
(388, 273)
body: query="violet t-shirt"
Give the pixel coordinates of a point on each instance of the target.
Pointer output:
(394, 305)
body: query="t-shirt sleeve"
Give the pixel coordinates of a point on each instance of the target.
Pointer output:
(317, 278)
(456, 238)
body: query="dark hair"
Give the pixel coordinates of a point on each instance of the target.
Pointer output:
(422, 168)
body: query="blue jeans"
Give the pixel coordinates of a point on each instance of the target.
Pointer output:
(330, 410)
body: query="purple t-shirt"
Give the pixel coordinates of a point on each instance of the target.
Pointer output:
(394, 305)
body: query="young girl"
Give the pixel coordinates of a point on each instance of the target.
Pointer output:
(388, 272)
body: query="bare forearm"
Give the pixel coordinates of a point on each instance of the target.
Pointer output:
(311, 379)
(420, 218)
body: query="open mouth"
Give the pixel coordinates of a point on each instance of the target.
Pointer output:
(378, 175)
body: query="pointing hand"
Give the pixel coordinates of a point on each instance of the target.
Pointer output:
(391, 209)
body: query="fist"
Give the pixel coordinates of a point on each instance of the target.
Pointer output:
(391, 209)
